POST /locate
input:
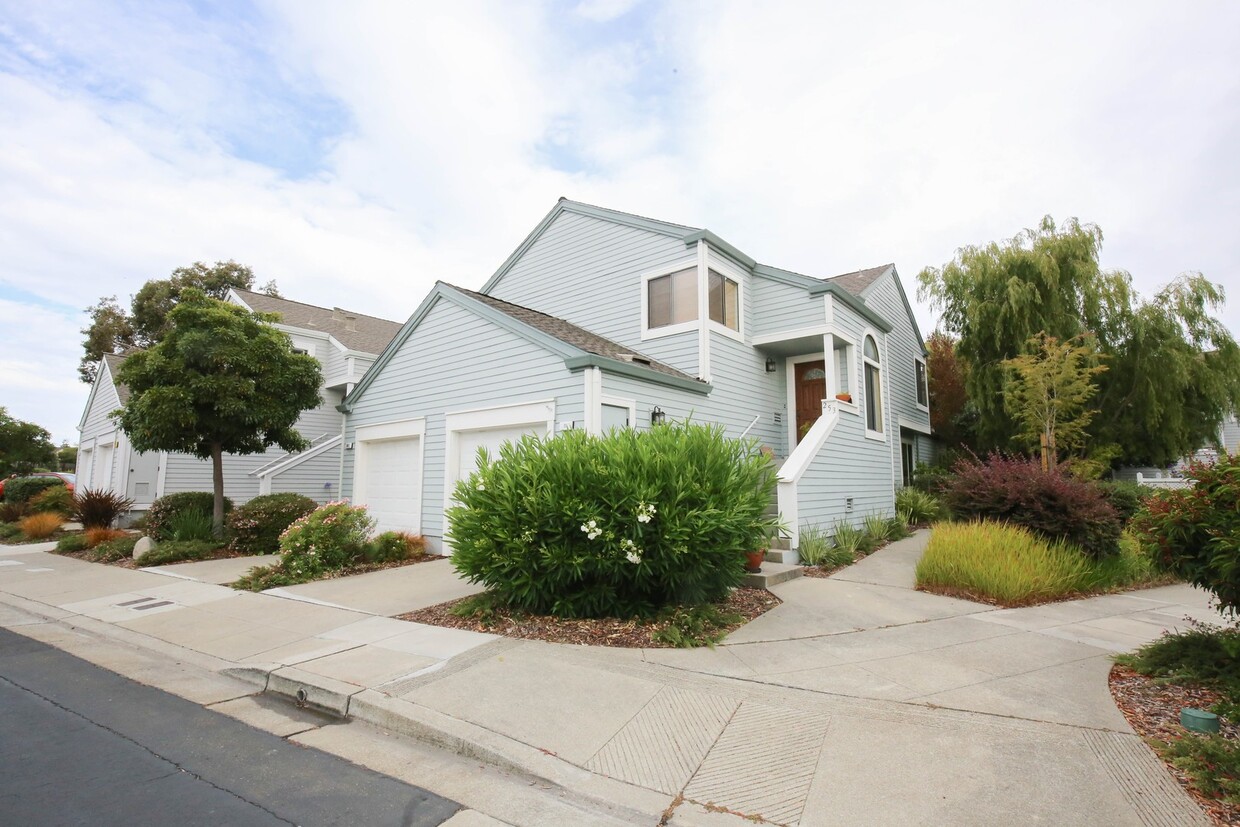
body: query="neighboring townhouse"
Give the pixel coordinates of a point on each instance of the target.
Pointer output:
(603, 319)
(345, 343)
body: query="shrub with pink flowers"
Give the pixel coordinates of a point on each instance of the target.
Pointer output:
(332, 536)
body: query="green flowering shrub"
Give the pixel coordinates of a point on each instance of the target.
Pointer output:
(331, 537)
(618, 525)
(256, 527)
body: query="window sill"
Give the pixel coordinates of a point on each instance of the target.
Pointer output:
(669, 330)
(724, 330)
(877, 436)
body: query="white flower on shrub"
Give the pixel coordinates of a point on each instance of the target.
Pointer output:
(645, 512)
(631, 552)
(591, 529)
(479, 486)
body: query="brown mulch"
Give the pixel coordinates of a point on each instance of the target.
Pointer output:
(633, 634)
(1153, 709)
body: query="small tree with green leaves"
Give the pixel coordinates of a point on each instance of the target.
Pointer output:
(24, 446)
(221, 380)
(1048, 394)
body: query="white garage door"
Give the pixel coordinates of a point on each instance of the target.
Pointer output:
(391, 483)
(468, 443)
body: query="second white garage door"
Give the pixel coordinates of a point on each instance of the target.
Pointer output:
(391, 483)
(468, 443)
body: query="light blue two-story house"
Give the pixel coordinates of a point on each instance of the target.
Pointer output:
(602, 319)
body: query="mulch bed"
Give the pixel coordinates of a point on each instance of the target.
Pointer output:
(632, 634)
(366, 568)
(1153, 710)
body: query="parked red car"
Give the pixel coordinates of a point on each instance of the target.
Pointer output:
(70, 480)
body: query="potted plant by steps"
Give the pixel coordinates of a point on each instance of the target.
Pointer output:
(753, 560)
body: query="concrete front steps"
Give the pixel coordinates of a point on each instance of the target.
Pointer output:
(771, 574)
(779, 552)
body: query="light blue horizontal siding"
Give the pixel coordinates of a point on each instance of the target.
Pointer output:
(588, 272)
(316, 478)
(902, 348)
(848, 466)
(456, 361)
(779, 307)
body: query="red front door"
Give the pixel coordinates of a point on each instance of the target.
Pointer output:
(811, 388)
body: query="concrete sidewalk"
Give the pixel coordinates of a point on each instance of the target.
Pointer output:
(857, 701)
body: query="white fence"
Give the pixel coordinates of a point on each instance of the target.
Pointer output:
(1160, 481)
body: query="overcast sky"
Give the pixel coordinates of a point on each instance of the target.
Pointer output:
(356, 152)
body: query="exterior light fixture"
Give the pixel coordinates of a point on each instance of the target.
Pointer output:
(657, 416)
(770, 364)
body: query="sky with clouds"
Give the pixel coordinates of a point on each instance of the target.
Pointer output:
(357, 152)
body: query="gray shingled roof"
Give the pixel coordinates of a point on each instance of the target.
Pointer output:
(571, 334)
(114, 363)
(356, 331)
(858, 280)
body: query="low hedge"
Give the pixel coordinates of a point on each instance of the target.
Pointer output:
(23, 489)
(255, 527)
(163, 511)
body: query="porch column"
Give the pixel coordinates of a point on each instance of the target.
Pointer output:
(828, 363)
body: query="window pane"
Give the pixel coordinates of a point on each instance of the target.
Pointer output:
(684, 299)
(923, 392)
(873, 399)
(659, 302)
(841, 370)
(715, 298)
(731, 297)
(871, 349)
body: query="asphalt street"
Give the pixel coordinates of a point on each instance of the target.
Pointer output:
(80, 745)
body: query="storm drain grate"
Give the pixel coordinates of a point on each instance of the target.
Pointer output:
(664, 743)
(152, 605)
(763, 763)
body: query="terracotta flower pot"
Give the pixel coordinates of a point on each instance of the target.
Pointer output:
(844, 397)
(753, 560)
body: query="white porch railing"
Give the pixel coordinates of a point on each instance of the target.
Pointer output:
(1163, 482)
(795, 466)
(318, 440)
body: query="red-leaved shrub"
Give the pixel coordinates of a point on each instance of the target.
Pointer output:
(1049, 503)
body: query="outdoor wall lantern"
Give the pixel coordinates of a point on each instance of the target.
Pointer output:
(657, 416)
(770, 364)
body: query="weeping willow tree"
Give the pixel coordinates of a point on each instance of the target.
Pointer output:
(1173, 369)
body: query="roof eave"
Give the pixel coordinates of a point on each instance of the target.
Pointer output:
(636, 371)
(854, 303)
(722, 246)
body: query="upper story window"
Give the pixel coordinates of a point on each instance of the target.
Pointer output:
(672, 299)
(923, 384)
(724, 301)
(873, 386)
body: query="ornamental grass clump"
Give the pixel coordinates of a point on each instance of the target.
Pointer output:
(329, 538)
(98, 508)
(41, 526)
(160, 517)
(1006, 564)
(619, 525)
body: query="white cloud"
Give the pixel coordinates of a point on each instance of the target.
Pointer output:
(425, 144)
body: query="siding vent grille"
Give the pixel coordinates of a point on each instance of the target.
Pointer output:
(779, 418)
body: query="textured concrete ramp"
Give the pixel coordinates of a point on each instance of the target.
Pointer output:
(1155, 797)
(763, 764)
(665, 742)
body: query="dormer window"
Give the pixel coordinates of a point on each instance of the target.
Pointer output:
(724, 299)
(672, 299)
